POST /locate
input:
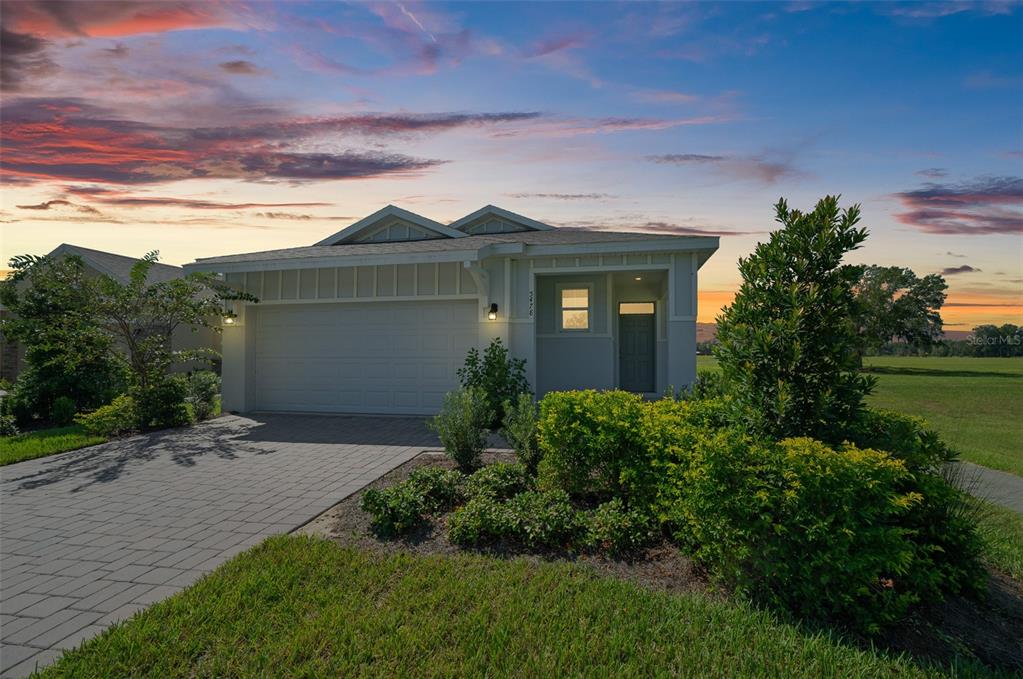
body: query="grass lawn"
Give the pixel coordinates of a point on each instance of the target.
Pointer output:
(43, 442)
(976, 404)
(308, 607)
(1002, 532)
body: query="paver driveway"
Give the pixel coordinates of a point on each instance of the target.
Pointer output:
(91, 536)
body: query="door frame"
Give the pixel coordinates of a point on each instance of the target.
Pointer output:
(618, 341)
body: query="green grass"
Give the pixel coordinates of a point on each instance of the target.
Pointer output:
(43, 442)
(307, 607)
(1002, 532)
(976, 404)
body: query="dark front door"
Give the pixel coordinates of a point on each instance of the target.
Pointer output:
(636, 352)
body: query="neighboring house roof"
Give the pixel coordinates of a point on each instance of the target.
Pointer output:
(552, 242)
(117, 266)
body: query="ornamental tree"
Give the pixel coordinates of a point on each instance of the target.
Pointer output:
(787, 345)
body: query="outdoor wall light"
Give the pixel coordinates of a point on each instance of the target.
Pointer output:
(639, 278)
(492, 314)
(228, 320)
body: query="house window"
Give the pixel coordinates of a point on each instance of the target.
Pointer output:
(575, 309)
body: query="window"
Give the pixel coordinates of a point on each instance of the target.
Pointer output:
(575, 309)
(628, 308)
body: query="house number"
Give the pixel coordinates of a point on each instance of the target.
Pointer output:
(530, 303)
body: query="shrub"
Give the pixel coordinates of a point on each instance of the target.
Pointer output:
(481, 520)
(944, 522)
(544, 519)
(395, 510)
(499, 481)
(63, 411)
(591, 441)
(708, 384)
(441, 489)
(533, 519)
(520, 430)
(796, 524)
(619, 531)
(116, 419)
(787, 345)
(8, 425)
(462, 426)
(162, 404)
(203, 390)
(500, 378)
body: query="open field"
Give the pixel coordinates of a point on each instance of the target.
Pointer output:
(976, 404)
(318, 609)
(43, 442)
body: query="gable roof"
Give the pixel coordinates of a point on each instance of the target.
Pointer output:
(349, 233)
(117, 267)
(530, 224)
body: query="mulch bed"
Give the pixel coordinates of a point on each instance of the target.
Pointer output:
(990, 629)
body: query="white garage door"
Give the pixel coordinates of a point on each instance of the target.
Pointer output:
(374, 357)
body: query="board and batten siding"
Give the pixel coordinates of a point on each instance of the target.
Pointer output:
(384, 281)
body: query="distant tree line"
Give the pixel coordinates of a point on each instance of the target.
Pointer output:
(897, 313)
(990, 341)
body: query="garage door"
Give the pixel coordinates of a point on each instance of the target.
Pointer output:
(375, 357)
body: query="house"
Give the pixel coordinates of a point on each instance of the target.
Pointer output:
(377, 317)
(117, 267)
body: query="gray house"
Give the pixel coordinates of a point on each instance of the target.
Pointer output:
(378, 317)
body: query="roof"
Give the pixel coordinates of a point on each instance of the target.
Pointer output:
(554, 241)
(350, 232)
(117, 266)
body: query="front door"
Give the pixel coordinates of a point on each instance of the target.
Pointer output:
(636, 352)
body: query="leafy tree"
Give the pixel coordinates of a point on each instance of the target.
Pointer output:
(894, 303)
(992, 340)
(54, 317)
(142, 316)
(787, 344)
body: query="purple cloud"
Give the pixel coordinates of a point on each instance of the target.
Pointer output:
(987, 205)
(766, 168)
(953, 270)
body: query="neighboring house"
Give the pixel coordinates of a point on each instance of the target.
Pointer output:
(118, 267)
(378, 317)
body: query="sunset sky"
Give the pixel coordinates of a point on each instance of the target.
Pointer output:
(209, 128)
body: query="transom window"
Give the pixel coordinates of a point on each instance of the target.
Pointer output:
(575, 309)
(630, 308)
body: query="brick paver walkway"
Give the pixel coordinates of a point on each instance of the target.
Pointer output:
(89, 537)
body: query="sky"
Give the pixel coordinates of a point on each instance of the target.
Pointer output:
(202, 128)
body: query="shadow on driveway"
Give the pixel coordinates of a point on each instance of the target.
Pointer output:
(226, 437)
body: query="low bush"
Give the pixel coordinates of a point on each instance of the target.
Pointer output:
(395, 510)
(203, 391)
(520, 430)
(408, 504)
(462, 426)
(944, 522)
(497, 375)
(481, 520)
(534, 519)
(591, 442)
(797, 524)
(63, 411)
(162, 403)
(617, 530)
(115, 419)
(544, 519)
(708, 384)
(8, 425)
(500, 481)
(441, 489)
